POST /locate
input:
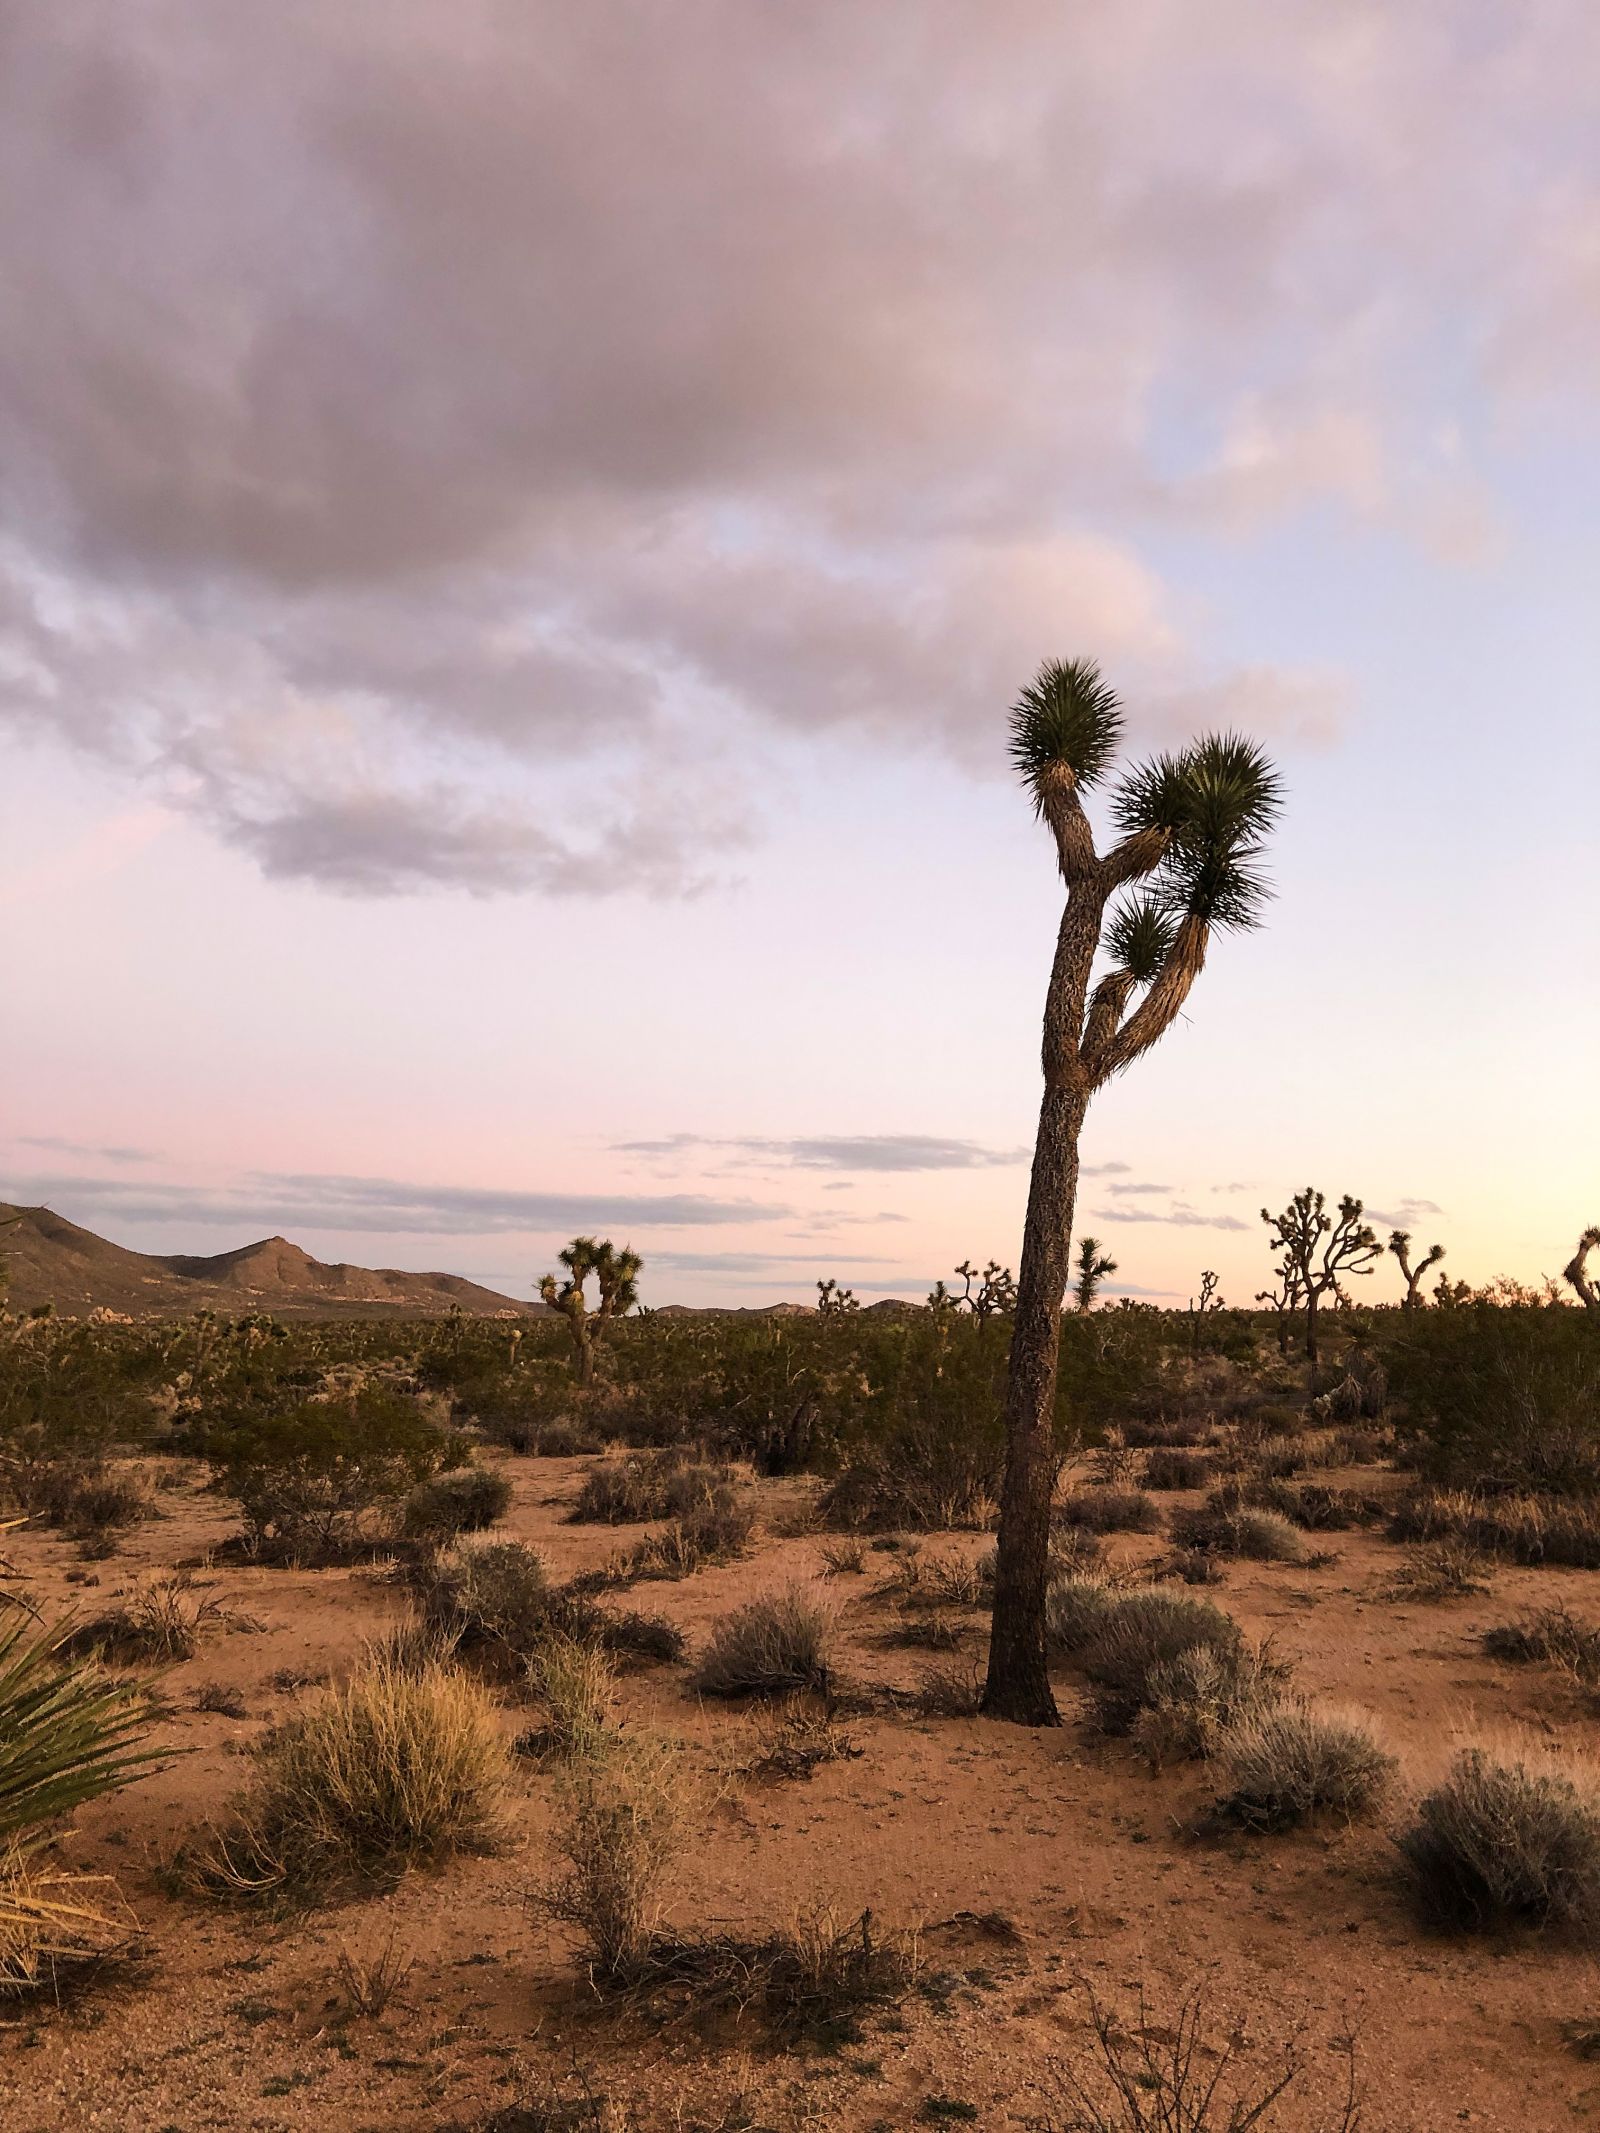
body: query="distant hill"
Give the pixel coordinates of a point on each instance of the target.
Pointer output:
(52, 1260)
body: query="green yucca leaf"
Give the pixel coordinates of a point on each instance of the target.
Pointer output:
(1138, 936)
(1067, 717)
(1155, 795)
(67, 1733)
(1232, 799)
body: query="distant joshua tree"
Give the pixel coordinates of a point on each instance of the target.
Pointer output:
(1577, 1270)
(617, 1276)
(1284, 1300)
(1320, 1251)
(1208, 1302)
(1094, 1267)
(1400, 1246)
(834, 1302)
(1191, 827)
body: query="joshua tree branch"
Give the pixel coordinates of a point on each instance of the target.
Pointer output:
(1576, 1270)
(1135, 857)
(1159, 1008)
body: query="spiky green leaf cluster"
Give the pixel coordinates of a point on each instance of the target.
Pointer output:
(1219, 799)
(1138, 937)
(67, 1734)
(1068, 717)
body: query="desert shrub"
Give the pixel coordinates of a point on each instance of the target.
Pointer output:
(326, 1478)
(1311, 1505)
(1504, 1396)
(1109, 1511)
(1141, 1632)
(843, 1558)
(1290, 1762)
(72, 1490)
(797, 1739)
(1553, 1635)
(1172, 1467)
(494, 1602)
(716, 1530)
(1182, 2070)
(769, 1647)
(159, 1621)
(1239, 1530)
(394, 1767)
(1356, 1447)
(574, 1680)
(1505, 1837)
(644, 1485)
(621, 1819)
(1195, 1566)
(949, 1692)
(1190, 1703)
(1440, 1570)
(1075, 1608)
(467, 1501)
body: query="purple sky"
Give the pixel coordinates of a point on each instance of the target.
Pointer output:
(519, 526)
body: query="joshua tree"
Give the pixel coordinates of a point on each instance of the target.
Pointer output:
(834, 1302)
(617, 1275)
(1191, 826)
(997, 1291)
(1284, 1299)
(1209, 1300)
(1577, 1270)
(1093, 1268)
(1400, 1246)
(1321, 1251)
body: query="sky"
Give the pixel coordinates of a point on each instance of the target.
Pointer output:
(520, 526)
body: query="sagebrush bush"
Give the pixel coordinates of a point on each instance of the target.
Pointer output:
(1189, 1704)
(1508, 1835)
(394, 1767)
(645, 1485)
(493, 1602)
(1290, 1762)
(769, 1647)
(1239, 1530)
(1109, 1511)
(1075, 1607)
(1141, 1632)
(716, 1530)
(467, 1501)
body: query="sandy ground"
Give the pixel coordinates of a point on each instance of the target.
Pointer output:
(232, 2020)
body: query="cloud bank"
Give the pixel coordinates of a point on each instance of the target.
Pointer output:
(452, 445)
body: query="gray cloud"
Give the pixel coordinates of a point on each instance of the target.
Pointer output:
(1134, 1191)
(861, 1151)
(423, 493)
(58, 1146)
(753, 1262)
(1404, 1213)
(1102, 1170)
(1177, 1217)
(382, 1205)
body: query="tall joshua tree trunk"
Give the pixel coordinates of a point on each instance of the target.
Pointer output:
(1017, 1650)
(1191, 824)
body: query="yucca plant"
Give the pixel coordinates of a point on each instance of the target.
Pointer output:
(67, 1733)
(1093, 1267)
(66, 1736)
(1191, 826)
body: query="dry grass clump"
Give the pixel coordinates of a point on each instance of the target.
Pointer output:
(57, 1928)
(1291, 1763)
(1109, 1510)
(1312, 1505)
(769, 1647)
(950, 1692)
(716, 1530)
(844, 1558)
(925, 1632)
(1558, 1530)
(394, 1767)
(1508, 1835)
(1224, 1526)
(575, 1681)
(1176, 1467)
(621, 1821)
(1440, 1570)
(642, 1485)
(933, 1577)
(159, 1622)
(469, 1500)
(1554, 1636)
(369, 1978)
